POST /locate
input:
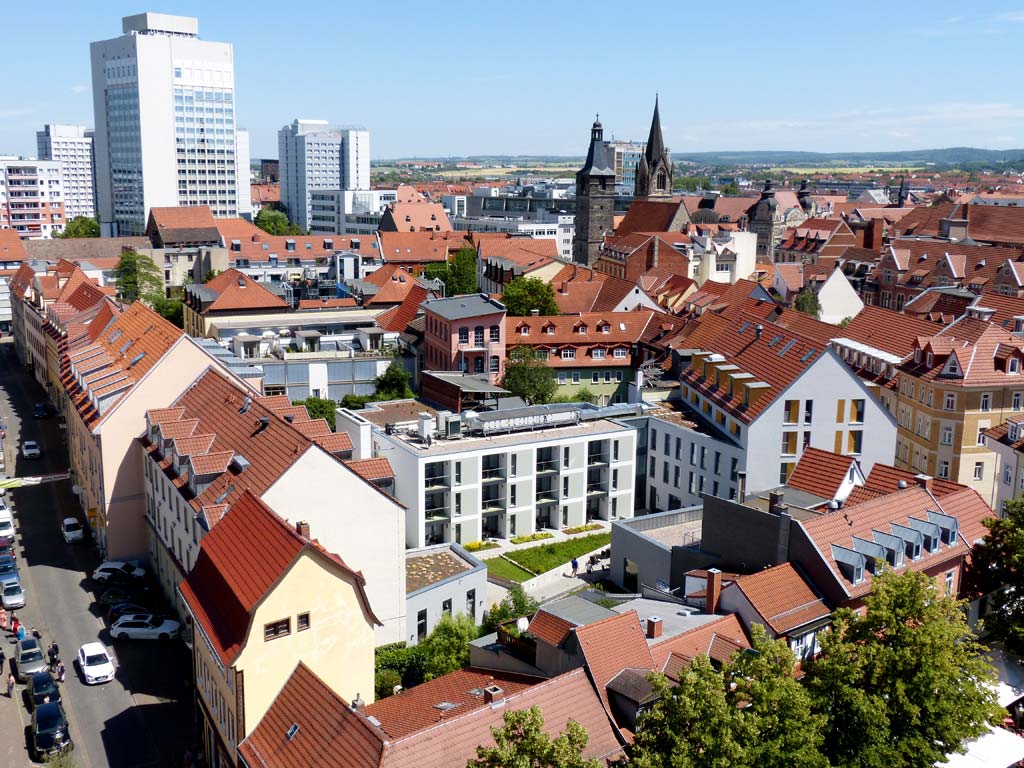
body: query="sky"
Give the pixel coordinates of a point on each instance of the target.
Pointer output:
(462, 78)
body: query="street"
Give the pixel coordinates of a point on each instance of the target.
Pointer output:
(144, 717)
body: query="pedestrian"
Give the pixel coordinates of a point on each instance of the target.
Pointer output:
(590, 568)
(3, 619)
(575, 567)
(21, 632)
(60, 671)
(10, 686)
(3, 658)
(15, 624)
(36, 634)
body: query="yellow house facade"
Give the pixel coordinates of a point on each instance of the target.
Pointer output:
(263, 597)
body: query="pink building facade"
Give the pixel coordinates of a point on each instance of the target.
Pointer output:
(465, 333)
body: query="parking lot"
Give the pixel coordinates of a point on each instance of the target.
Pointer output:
(145, 716)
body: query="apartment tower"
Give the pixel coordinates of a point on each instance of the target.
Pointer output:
(72, 146)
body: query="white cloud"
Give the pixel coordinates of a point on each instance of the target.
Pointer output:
(79, 88)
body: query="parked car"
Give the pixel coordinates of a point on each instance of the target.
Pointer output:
(71, 529)
(144, 627)
(29, 659)
(6, 524)
(8, 569)
(39, 411)
(95, 663)
(119, 567)
(50, 734)
(118, 610)
(13, 596)
(30, 449)
(125, 593)
(41, 687)
(7, 547)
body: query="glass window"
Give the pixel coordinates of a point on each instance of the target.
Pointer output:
(471, 603)
(302, 622)
(421, 625)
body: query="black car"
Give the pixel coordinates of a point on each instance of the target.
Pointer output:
(49, 729)
(39, 411)
(125, 593)
(42, 688)
(118, 610)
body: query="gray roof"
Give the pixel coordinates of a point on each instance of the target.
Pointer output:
(633, 684)
(77, 249)
(467, 382)
(461, 307)
(577, 610)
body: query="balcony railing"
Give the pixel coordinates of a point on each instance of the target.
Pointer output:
(493, 505)
(595, 488)
(431, 482)
(493, 473)
(437, 513)
(597, 459)
(547, 466)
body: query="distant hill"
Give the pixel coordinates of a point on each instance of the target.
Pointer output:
(950, 156)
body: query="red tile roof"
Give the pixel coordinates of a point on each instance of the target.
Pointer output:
(859, 520)
(704, 639)
(886, 330)
(527, 253)
(924, 220)
(414, 709)
(326, 303)
(371, 469)
(258, 246)
(821, 473)
(653, 216)
(239, 291)
(182, 224)
(415, 217)
(239, 562)
(782, 597)
(420, 247)
(975, 343)
(884, 479)
(11, 247)
(331, 734)
(398, 318)
(610, 645)
(265, 193)
(995, 224)
(550, 628)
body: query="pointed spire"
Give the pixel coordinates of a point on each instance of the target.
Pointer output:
(655, 142)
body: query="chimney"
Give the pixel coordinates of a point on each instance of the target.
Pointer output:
(494, 695)
(302, 528)
(758, 330)
(775, 503)
(874, 235)
(924, 481)
(574, 271)
(564, 288)
(653, 627)
(741, 491)
(714, 590)
(534, 313)
(654, 259)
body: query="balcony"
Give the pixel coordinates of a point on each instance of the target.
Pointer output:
(545, 467)
(493, 474)
(437, 513)
(493, 505)
(595, 489)
(597, 459)
(436, 483)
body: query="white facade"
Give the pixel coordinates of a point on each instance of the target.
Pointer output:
(838, 299)
(510, 484)
(1008, 467)
(560, 227)
(726, 258)
(348, 211)
(315, 156)
(164, 107)
(72, 145)
(243, 174)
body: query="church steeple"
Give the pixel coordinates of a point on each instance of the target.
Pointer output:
(654, 173)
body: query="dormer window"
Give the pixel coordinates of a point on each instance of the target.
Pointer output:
(524, 330)
(289, 245)
(605, 328)
(929, 360)
(1014, 365)
(917, 355)
(549, 330)
(581, 329)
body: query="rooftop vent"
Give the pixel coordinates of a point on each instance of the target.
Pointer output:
(444, 706)
(289, 417)
(245, 405)
(264, 422)
(224, 494)
(494, 695)
(239, 463)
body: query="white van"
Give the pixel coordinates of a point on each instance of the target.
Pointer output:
(6, 522)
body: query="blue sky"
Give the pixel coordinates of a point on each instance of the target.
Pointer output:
(460, 78)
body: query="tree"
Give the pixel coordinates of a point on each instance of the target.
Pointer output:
(693, 724)
(522, 743)
(459, 276)
(385, 682)
(775, 707)
(446, 649)
(210, 275)
(393, 384)
(319, 408)
(171, 309)
(998, 566)
(905, 685)
(276, 223)
(513, 605)
(807, 302)
(138, 278)
(81, 226)
(524, 294)
(528, 377)
(355, 402)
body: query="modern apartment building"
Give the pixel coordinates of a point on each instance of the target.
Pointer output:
(32, 197)
(315, 156)
(164, 108)
(463, 478)
(72, 145)
(627, 156)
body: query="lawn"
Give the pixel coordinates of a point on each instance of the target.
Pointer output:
(503, 569)
(548, 556)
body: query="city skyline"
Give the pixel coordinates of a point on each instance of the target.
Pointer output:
(755, 81)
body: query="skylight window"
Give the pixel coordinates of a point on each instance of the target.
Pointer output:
(775, 341)
(744, 327)
(807, 355)
(789, 345)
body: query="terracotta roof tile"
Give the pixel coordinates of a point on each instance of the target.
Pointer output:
(550, 628)
(652, 216)
(782, 597)
(397, 319)
(924, 220)
(415, 217)
(11, 246)
(239, 291)
(995, 224)
(527, 253)
(371, 469)
(326, 303)
(884, 479)
(258, 246)
(611, 644)
(821, 473)
(420, 247)
(700, 640)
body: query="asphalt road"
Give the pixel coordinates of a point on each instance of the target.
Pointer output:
(142, 718)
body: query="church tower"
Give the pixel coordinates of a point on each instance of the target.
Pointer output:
(654, 171)
(595, 200)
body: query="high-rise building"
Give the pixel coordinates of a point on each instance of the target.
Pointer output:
(314, 157)
(243, 174)
(627, 156)
(164, 104)
(31, 198)
(72, 145)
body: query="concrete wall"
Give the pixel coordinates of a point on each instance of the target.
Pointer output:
(652, 559)
(455, 588)
(838, 299)
(743, 539)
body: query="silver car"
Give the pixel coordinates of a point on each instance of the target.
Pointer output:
(30, 659)
(13, 595)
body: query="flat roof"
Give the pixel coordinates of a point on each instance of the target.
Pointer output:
(467, 382)
(395, 411)
(677, 534)
(422, 569)
(461, 307)
(676, 619)
(577, 610)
